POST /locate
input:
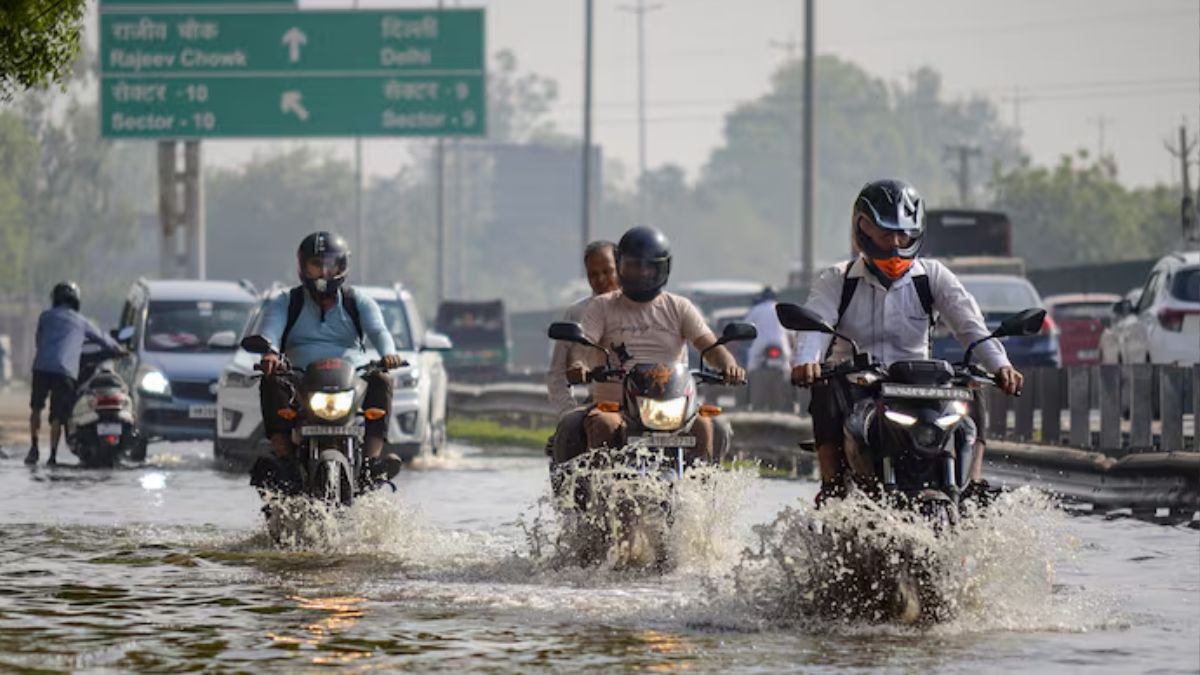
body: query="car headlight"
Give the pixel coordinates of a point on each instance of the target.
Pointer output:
(331, 405)
(409, 379)
(237, 380)
(662, 415)
(153, 382)
(900, 418)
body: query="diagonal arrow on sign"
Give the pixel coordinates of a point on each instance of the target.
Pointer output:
(290, 103)
(294, 38)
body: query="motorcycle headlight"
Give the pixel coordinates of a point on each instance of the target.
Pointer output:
(331, 405)
(947, 421)
(900, 418)
(153, 382)
(927, 436)
(662, 415)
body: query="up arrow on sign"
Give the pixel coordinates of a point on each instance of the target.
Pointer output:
(294, 38)
(290, 103)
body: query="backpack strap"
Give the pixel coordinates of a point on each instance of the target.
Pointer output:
(295, 304)
(925, 293)
(350, 304)
(849, 286)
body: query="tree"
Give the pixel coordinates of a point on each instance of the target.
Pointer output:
(39, 42)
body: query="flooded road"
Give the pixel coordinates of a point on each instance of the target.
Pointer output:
(168, 567)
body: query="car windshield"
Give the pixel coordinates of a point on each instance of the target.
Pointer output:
(1083, 310)
(1002, 295)
(187, 325)
(1186, 285)
(397, 323)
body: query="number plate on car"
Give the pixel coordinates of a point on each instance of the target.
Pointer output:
(918, 391)
(664, 441)
(202, 412)
(319, 430)
(108, 429)
(1089, 353)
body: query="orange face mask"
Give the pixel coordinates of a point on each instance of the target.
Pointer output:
(894, 268)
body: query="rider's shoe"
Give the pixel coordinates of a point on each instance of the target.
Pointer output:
(278, 475)
(381, 469)
(830, 489)
(32, 457)
(53, 461)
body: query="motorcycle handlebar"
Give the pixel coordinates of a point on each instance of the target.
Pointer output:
(605, 374)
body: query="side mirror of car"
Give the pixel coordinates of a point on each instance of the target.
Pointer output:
(436, 342)
(256, 344)
(122, 335)
(1122, 307)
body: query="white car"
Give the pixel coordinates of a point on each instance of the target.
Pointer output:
(418, 423)
(1163, 325)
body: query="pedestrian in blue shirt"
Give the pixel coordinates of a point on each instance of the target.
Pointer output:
(61, 333)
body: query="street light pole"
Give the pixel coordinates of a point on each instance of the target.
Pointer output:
(586, 192)
(808, 182)
(641, 9)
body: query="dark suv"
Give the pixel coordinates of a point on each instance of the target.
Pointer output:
(185, 331)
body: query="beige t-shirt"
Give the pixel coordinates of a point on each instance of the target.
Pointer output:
(651, 332)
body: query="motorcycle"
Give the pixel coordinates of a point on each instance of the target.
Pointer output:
(908, 427)
(328, 432)
(659, 407)
(103, 425)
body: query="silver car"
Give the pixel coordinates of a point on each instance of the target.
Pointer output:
(418, 423)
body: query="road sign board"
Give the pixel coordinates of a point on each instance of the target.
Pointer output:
(292, 73)
(401, 105)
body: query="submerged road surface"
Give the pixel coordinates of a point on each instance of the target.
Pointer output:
(168, 567)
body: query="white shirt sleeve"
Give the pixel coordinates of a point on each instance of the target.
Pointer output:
(823, 300)
(963, 316)
(557, 388)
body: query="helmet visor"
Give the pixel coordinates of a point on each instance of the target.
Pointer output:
(324, 267)
(883, 242)
(643, 274)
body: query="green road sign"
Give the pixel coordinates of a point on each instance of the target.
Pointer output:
(403, 105)
(223, 72)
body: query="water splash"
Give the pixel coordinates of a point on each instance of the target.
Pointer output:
(858, 566)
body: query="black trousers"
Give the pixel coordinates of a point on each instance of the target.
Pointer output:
(277, 391)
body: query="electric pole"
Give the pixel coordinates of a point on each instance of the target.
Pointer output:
(790, 47)
(440, 209)
(964, 154)
(586, 193)
(808, 182)
(1183, 152)
(641, 9)
(1101, 123)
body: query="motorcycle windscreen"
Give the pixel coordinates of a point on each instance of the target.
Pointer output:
(329, 375)
(660, 394)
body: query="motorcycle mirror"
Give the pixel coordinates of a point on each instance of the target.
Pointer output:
(222, 339)
(1025, 322)
(738, 331)
(795, 317)
(256, 344)
(568, 332)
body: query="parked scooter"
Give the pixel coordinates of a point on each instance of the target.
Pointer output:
(103, 425)
(327, 408)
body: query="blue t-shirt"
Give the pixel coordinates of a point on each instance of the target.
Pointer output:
(61, 332)
(330, 334)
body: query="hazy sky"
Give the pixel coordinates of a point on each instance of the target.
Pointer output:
(1062, 69)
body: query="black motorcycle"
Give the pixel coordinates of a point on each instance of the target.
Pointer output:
(328, 433)
(659, 406)
(910, 422)
(103, 423)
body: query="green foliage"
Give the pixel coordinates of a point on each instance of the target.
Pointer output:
(490, 432)
(39, 41)
(1078, 212)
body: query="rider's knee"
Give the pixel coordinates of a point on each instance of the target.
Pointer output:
(603, 428)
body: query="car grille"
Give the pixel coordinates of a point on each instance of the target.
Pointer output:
(192, 390)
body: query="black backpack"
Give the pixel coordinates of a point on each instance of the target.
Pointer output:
(296, 303)
(850, 284)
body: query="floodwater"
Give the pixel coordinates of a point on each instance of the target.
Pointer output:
(168, 567)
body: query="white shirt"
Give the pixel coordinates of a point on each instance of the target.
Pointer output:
(770, 332)
(890, 323)
(562, 355)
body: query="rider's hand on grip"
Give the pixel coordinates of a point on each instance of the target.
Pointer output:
(392, 361)
(578, 373)
(806, 374)
(269, 364)
(734, 375)
(1010, 380)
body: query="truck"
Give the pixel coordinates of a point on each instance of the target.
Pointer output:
(973, 241)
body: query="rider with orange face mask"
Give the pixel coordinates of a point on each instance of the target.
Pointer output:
(887, 300)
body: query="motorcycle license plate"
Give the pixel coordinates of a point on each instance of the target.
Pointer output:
(202, 412)
(108, 429)
(319, 430)
(664, 441)
(917, 391)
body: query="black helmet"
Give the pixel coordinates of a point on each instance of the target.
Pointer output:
(643, 263)
(895, 205)
(66, 293)
(330, 254)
